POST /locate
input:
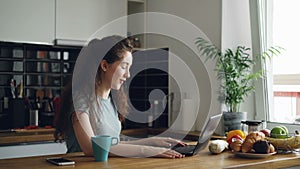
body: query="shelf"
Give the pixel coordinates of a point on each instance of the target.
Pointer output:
(10, 73)
(44, 73)
(38, 87)
(10, 59)
(43, 60)
(41, 68)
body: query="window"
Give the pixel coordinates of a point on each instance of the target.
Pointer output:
(286, 68)
(283, 83)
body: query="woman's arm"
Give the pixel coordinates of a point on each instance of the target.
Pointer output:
(157, 141)
(130, 150)
(83, 131)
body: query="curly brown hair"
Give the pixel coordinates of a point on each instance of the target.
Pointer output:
(115, 47)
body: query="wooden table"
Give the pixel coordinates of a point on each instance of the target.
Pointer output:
(203, 160)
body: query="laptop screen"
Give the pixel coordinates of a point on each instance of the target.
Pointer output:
(207, 132)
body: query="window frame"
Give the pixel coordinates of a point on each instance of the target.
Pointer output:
(264, 87)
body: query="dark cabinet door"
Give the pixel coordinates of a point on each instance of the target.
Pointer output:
(148, 89)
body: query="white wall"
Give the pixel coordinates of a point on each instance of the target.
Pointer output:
(79, 20)
(205, 15)
(236, 30)
(225, 23)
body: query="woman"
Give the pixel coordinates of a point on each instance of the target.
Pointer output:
(96, 103)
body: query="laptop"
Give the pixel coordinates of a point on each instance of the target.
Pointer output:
(207, 131)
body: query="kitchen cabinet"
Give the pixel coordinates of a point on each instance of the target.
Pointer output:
(27, 21)
(41, 70)
(79, 20)
(43, 21)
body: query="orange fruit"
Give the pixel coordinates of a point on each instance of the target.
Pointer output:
(231, 133)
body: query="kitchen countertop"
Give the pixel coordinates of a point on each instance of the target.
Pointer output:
(21, 136)
(204, 159)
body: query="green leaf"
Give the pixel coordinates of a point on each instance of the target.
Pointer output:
(234, 70)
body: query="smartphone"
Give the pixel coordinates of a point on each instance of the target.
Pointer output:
(60, 161)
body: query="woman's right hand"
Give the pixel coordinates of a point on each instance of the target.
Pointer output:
(143, 151)
(163, 142)
(162, 152)
(170, 154)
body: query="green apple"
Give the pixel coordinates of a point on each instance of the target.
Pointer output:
(279, 132)
(285, 128)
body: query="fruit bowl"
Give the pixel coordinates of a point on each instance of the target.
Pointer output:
(291, 143)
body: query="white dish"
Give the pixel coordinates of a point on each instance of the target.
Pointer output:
(253, 155)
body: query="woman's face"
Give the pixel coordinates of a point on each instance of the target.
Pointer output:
(119, 71)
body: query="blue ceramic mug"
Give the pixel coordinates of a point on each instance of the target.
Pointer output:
(101, 146)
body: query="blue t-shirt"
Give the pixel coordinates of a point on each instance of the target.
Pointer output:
(103, 117)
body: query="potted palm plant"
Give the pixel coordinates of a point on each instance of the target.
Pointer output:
(235, 71)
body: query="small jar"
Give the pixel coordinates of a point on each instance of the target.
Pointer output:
(252, 125)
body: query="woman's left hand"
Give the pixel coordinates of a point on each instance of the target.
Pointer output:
(164, 142)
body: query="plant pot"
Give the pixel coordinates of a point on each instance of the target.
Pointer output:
(232, 120)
